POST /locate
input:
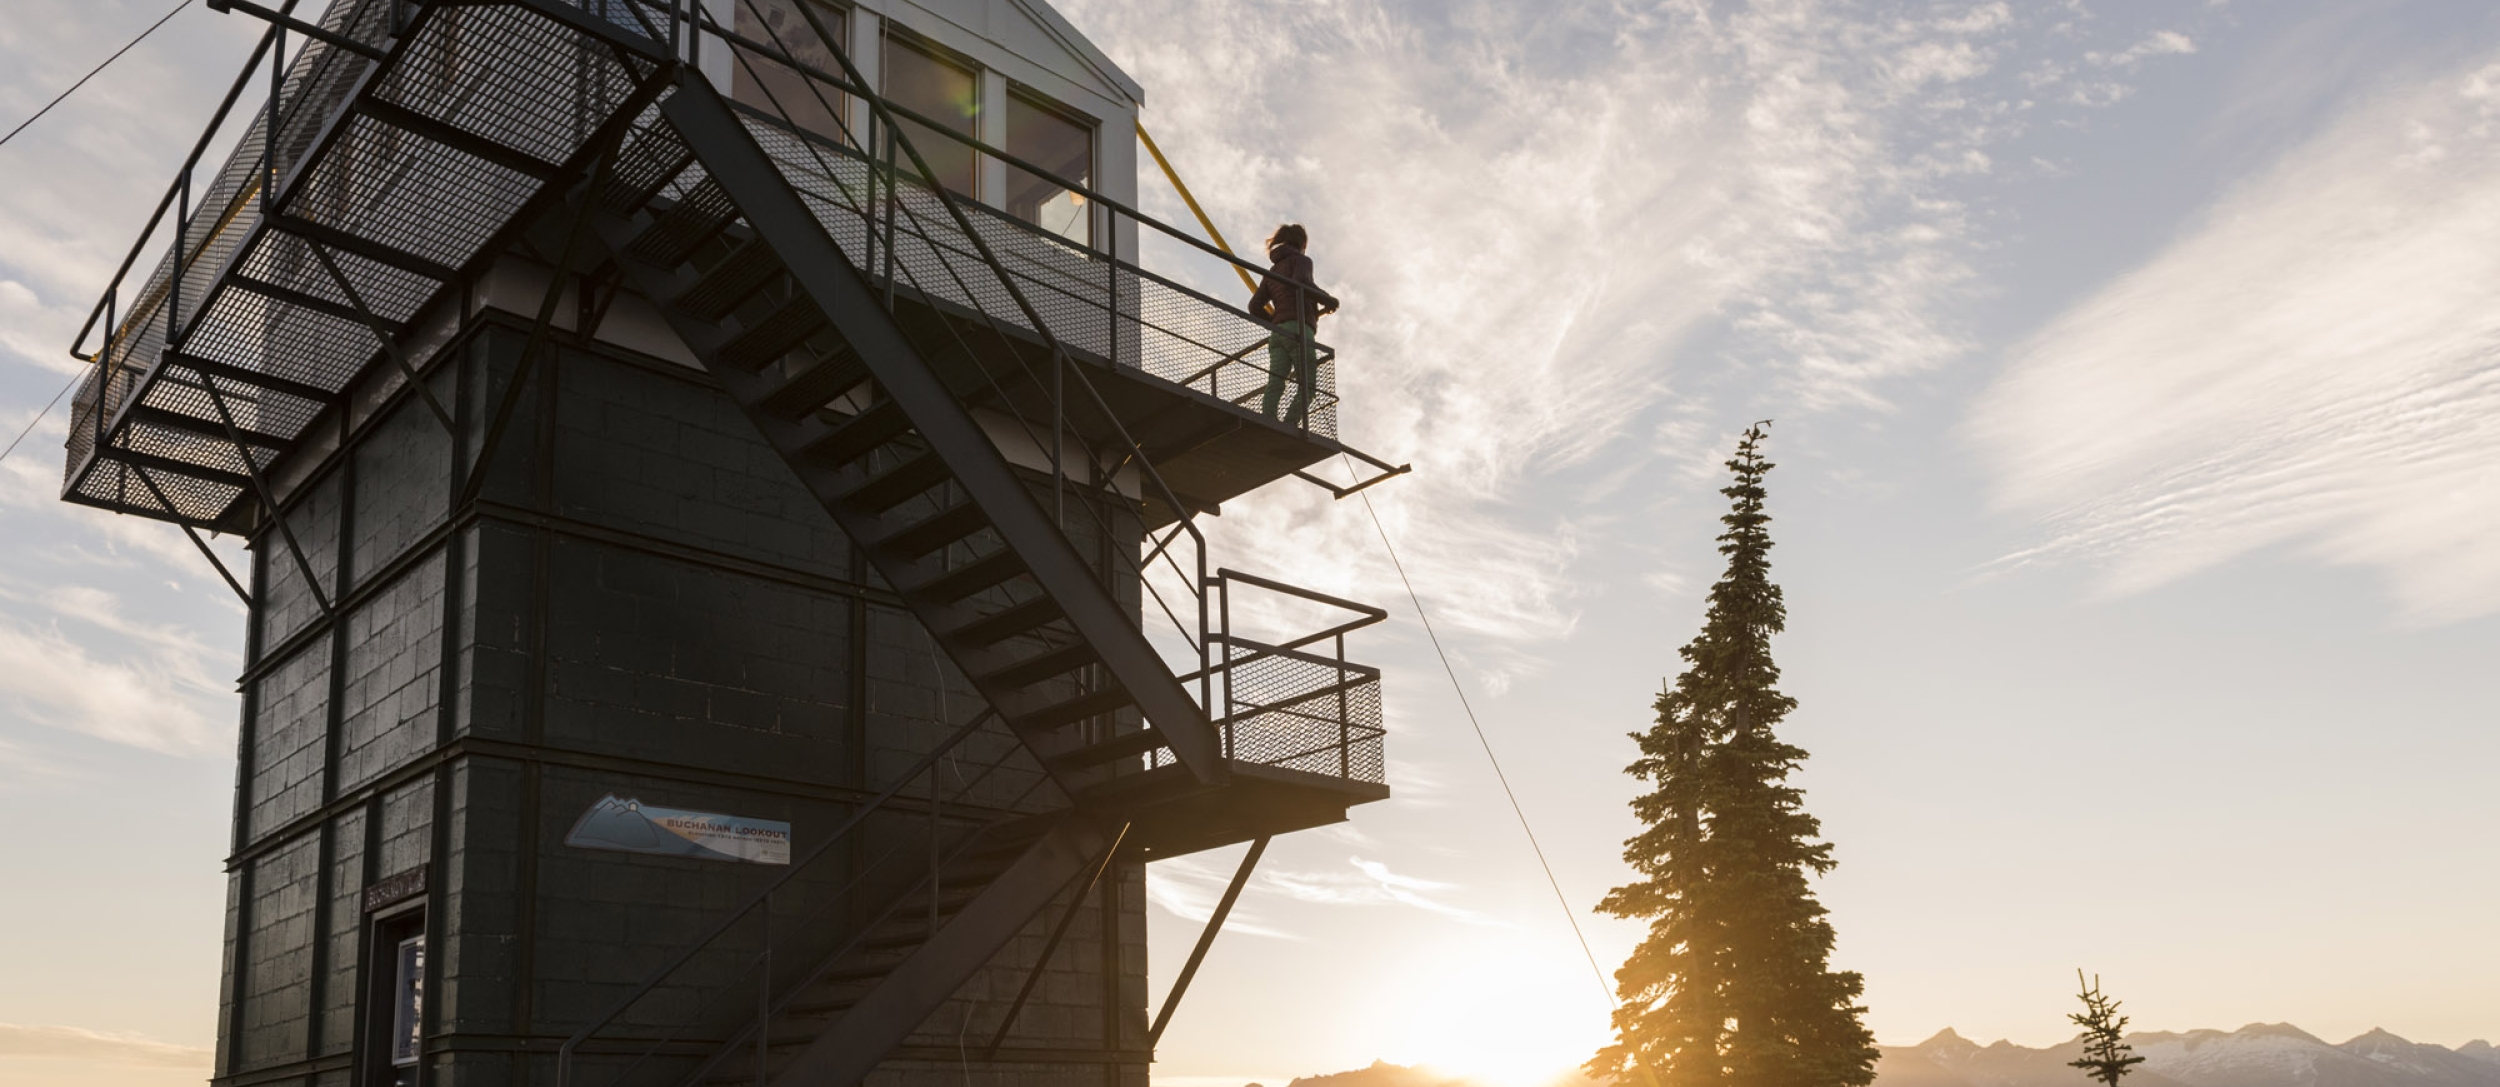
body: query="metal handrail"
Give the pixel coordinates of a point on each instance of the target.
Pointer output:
(763, 898)
(896, 139)
(173, 190)
(846, 86)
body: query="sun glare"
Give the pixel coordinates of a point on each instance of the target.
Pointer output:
(1497, 1015)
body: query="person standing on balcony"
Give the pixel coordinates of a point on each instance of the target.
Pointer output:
(1290, 301)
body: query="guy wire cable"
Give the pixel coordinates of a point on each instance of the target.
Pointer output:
(82, 80)
(1573, 918)
(21, 127)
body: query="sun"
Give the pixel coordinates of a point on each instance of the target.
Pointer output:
(1497, 1013)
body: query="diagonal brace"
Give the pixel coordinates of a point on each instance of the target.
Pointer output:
(1042, 962)
(167, 501)
(260, 486)
(382, 334)
(537, 342)
(1206, 939)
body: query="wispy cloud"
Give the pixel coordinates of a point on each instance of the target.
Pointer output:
(2317, 364)
(1190, 887)
(73, 1042)
(1371, 883)
(1573, 234)
(124, 680)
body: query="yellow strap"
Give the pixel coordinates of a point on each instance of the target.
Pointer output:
(1192, 201)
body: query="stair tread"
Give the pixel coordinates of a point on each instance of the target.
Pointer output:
(1001, 625)
(853, 438)
(899, 484)
(935, 531)
(814, 387)
(995, 568)
(721, 287)
(1118, 747)
(788, 325)
(1070, 711)
(1041, 666)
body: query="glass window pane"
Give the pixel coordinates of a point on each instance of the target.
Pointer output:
(1065, 149)
(778, 89)
(408, 1002)
(944, 92)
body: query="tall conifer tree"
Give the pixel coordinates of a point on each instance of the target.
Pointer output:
(1733, 986)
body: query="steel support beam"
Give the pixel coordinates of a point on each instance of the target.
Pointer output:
(301, 299)
(194, 534)
(137, 459)
(384, 335)
(537, 342)
(1206, 939)
(1059, 931)
(268, 502)
(208, 367)
(467, 143)
(204, 428)
(345, 242)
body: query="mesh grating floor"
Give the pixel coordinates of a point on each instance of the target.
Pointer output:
(253, 296)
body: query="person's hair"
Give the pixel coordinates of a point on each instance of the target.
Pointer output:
(1290, 234)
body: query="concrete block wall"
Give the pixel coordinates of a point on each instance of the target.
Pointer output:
(642, 601)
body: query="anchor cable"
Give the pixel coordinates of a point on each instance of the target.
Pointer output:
(82, 80)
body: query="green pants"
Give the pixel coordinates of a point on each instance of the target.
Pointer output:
(1290, 351)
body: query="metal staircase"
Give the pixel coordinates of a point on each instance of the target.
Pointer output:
(995, 421)
(702, 222)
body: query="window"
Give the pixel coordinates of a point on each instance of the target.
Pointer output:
(1061, 145)
(776, 88)
(395, 1000)
(946, 93)
(408, 1001)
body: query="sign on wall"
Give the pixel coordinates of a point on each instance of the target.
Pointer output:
(631, 826)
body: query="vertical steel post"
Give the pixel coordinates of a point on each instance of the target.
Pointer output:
(105, 372)
(269, 129)
(1345, 726)
(1224, 600)
(893, 196)
(173, 284)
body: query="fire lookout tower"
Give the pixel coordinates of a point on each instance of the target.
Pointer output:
(727, 604)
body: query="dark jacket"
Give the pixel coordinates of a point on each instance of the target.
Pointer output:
(1287, 281)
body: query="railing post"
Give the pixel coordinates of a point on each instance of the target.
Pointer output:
(173, 283)
(1345, 723)
(1224, 601)
(893, 196)
(269, 129)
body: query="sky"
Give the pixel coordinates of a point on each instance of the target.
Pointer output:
(2136, 399)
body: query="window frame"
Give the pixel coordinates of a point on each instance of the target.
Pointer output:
(892, 36)
(1033, 98)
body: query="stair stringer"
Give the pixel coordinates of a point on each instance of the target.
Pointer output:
(816, 263)
(857, 1042)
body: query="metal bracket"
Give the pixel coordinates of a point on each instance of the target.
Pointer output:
(1206, 939)
(1041, 962)
(314, 31)
(167, 501)
(1388, 472)
(382, 334)
(537, 342)
(268, 502)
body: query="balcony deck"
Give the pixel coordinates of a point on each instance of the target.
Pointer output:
(281, 300)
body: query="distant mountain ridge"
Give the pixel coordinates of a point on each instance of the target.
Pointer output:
(2256, 1055)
